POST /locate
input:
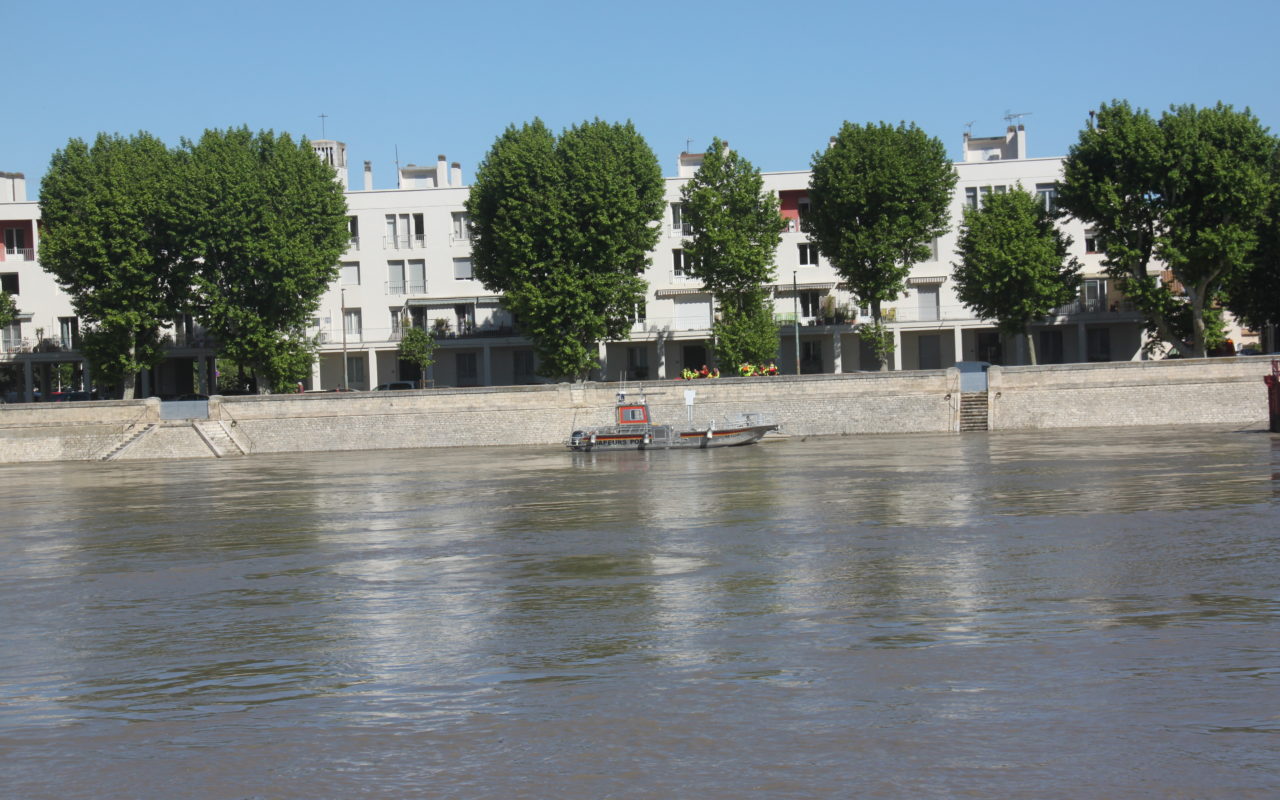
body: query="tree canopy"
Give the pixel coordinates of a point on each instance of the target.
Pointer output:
(418, 347)
(735, 229)
(562, 227)
(242, 231)
(107, 237)
(878, 196)
(1013, 264)
(8, 309)
(1192, 189)
(264, 221)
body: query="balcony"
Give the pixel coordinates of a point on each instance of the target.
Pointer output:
(19, 254)
(404, 242)
(400, 289)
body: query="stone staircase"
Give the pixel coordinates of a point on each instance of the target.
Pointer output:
(132, 437)
(973, 411)
(216, 436)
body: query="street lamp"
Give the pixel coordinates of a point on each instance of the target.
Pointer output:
(343, 322)
(795, 307)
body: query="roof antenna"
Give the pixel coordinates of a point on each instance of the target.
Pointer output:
(1014, 119)
(968, 127)
(688, 143)
(323, 117)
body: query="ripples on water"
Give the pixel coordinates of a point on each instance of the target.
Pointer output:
(1066, 615)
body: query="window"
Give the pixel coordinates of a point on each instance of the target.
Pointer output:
(466, 366)
(404, 231)
(15, 241)
(802, 208)
(678, 225)
(1098, 344)
(638, 312)
(351, 273)
(928, 300)
(395, 277)
(680, 264)
(1047, 195)
(1092, 242)
(1049, 347)
(417, 277)
(808, 254)
(461, 227)
(976, 196)
(355, 369)
(396, 315)
(1093, 293)
(9, 282)
(352, 323)
(11, 336)
(69, 332)
(638, 362)
(522, 366)
(462, 269)
(810, 303)
(353, 231)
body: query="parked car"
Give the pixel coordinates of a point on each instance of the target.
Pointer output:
(394, 386)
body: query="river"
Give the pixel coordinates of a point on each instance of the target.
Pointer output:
(1071, 614)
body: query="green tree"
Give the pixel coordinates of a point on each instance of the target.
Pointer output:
(8, 309)
(1013, 265)
(878, 196)
(1253, 295)
(418, 347)
(263, 222)
(735, 230)
(1191, 189)
(562, 227)
(106, 237)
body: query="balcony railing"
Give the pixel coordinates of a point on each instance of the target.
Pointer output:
(19, 254)
(399, 288)
(353, 243)
(404, 242)
(460, 238)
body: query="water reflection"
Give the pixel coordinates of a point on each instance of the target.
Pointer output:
(888, 611)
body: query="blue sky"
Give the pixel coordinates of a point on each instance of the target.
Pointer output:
(774, 79)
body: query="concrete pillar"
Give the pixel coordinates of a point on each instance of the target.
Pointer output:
(315, 373)
(202, 374)
(46, 380)
(29, 383)
(897, 348)
(486, 369)
(146, 383)
(1020, 349)
(662, 358)
(86, 375)
(958, 335)
(836, 354)
(371, 368)
(1082, 343)
(603, 350)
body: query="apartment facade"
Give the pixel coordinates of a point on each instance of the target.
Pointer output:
(409, 263)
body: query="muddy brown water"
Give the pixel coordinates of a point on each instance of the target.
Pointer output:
(1078, 614)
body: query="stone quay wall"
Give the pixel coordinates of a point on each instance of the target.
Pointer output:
(1170, 392)
(1174, 392)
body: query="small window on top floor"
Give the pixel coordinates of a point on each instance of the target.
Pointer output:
(808, 254)
(1092, 242)
(1047, 195)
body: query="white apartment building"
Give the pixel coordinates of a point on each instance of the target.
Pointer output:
(409, 259)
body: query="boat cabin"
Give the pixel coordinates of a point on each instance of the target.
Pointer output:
(633, 414)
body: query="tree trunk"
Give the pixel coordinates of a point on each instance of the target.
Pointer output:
(883, 356)
(128, 380)
(1031, 346)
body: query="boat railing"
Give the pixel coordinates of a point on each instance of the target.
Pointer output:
(748, 420)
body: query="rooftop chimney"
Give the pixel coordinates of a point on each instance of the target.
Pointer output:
(442, 171)
(368, 175)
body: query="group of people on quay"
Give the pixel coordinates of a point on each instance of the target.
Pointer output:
(744, 370)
